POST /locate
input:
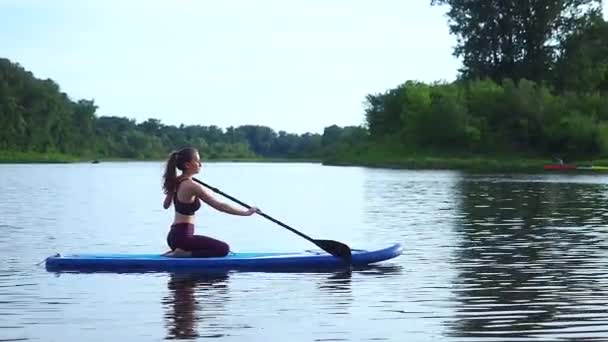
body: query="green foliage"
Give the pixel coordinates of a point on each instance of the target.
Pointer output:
(415, 110)
(37, 120)
(436, 116)
(383, 111)
(486, 117)
(582, 64)
(533, 82)
(514, 39)
(337, 140)
(602, 136)
(575, 135)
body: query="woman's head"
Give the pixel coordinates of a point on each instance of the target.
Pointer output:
(186, 160)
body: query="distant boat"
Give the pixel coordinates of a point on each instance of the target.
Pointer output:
(95, 161)
(557, 167)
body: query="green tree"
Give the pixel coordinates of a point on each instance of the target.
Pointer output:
(260, 138)
(582, 64)
(383, 112)
(513, 39)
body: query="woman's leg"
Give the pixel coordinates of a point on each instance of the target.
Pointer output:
(177, 240)
(177, 235)
(206, 247)
(183, 243)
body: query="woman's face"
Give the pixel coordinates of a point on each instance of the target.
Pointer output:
(194, 166)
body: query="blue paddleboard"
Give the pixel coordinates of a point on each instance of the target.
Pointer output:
(313, 259)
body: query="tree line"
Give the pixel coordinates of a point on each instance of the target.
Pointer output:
(533, 81)
(36, 116)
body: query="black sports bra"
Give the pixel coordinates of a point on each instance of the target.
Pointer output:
(183, 207)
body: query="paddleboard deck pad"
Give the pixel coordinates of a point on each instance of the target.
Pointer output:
(311, 259)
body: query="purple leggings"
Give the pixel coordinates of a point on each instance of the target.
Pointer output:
(182, 236)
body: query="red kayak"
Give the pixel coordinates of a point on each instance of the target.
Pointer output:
(560, 167)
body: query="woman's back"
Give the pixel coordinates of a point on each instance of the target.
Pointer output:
(185, 201)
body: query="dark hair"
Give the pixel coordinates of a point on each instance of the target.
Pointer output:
(177, 159)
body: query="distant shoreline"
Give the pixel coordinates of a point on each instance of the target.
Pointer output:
(474, 164)
(9, 157)
(467, 164)
(58, 158)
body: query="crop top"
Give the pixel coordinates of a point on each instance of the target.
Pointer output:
(185, 208)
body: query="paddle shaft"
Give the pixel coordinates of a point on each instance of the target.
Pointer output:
(216, 190)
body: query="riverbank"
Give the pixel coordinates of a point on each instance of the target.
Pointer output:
(11, 157)
(58, 158)
(471, 163)
(439, 161)
(477, 164)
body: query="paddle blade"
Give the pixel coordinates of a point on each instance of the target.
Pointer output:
(335, 248)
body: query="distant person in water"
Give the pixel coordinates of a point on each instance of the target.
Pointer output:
(185, 194)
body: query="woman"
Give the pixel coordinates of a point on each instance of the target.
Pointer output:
(186, 195)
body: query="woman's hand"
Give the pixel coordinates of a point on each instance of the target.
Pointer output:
(251, 211)
(167, 201)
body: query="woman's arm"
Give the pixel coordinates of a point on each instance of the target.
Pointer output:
(167, 202)
(221, 206)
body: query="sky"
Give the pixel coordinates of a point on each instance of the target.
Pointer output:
(297, 66)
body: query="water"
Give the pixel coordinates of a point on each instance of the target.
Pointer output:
(487, 257)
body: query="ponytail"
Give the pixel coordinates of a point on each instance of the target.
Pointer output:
(177, 160)
(170, 176)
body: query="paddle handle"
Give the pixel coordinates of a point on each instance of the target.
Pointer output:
(216, 190)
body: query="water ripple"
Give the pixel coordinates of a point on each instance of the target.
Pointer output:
(487, 257)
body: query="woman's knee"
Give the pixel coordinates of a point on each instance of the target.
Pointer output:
(223, 248)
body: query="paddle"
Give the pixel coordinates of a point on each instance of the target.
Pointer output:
(334, 248)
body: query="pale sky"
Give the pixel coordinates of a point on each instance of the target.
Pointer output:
(297, 66)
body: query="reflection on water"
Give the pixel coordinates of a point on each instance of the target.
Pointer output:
(205, 306)
(337, 287)
(486, 257)
(532, 261)
(195, 299)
